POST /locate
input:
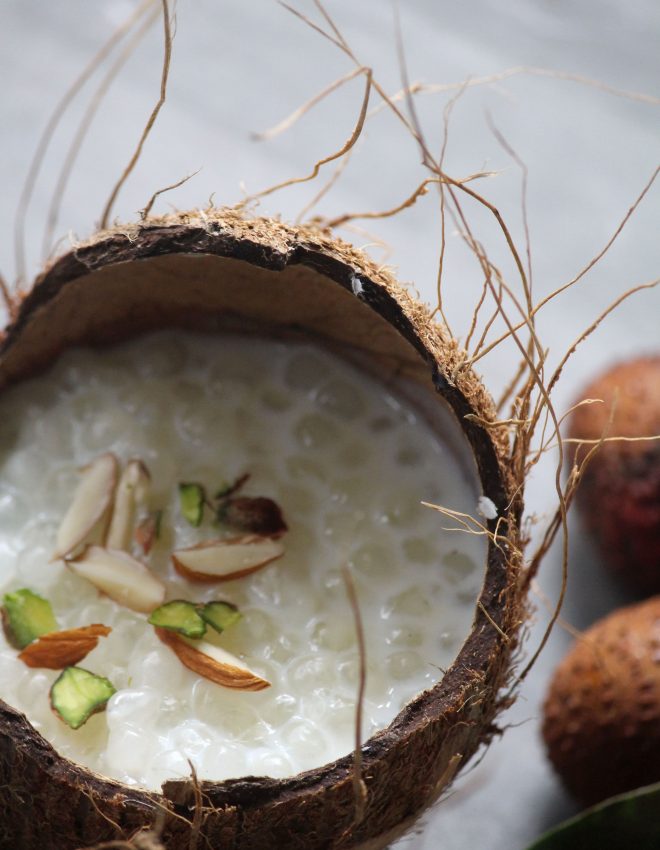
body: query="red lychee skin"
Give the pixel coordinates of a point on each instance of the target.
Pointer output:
(602, 711)
(619, 495)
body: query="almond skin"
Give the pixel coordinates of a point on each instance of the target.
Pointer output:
(58, 650)
(223, 560)
(602, 711)
(212, 663)
(619, 495)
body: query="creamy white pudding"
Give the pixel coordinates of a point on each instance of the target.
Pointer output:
(349, 463)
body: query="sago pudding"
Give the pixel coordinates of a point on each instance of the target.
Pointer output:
(348, 462)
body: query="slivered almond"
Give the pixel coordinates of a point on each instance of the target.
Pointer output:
(221, 560)
(147, 531)
(131, 493)
(212, 662)
(89, 510)
(121, 577)
(58, 650)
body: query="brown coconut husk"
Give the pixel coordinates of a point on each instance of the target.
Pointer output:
(219, 272)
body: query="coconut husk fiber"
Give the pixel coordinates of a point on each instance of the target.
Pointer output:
(217, 272)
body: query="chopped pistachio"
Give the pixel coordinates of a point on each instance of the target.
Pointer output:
(179, 616)
(26, 616)
(77, 694)
(220, 615)
(192, 498)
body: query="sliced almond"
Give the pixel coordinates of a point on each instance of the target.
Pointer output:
(58, 650)
(131, 493)
(221, 560)
(90, 505)
(147, 531)
(121, 577)
(212, 663)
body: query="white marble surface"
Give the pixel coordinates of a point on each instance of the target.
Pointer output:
(240, 67)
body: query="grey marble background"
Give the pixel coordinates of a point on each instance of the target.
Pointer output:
(240, 67)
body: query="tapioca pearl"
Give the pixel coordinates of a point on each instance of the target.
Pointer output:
(192, 736)
(266, 762)
(222, 760)
(240, 721)
(33, 688)
(207, 701)
(335, 634)
(353, 490)
(304, 741)
(150, 408)
(317, 432)
(304, 371)
(168, 764)
(192, 424)
(409, 455)
(374, 560)
(267, 586)
(301, 468)
(311, 671)
(68, 587)
(96, 611)
(155, 667)
(286, 647)
(354, 454)
(413, 601)
(333, 585)
(137, 706)
(404, 636)
(104, 432)
(457, 565)
(420, 550)
(399, 509)
(324, 703)
(33, 567)
(344, 525)
(24, 469)
(404, 664)
(340, 398)
(349, 676)
(275, 398)
(274, 708)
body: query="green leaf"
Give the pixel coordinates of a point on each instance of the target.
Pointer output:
(220, 615)
(191, 498)
(77, 694)
(26, 616)
(180, 616)
(630, 820)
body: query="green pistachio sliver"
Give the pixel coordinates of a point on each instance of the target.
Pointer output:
(26, 616)
(191, 499)
(220, 615)
(180, 616)
(77, 694)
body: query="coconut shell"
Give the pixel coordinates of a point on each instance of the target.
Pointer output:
(619, 495)
(602, 711)
(219, 272)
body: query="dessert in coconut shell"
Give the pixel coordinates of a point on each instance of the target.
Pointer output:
(220, 272)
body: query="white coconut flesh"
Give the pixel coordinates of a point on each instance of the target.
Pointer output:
(348, 462)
